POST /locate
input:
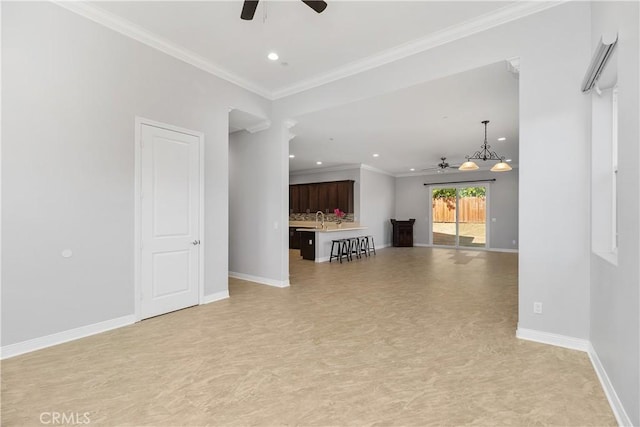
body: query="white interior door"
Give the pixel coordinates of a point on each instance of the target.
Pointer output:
(169, 220)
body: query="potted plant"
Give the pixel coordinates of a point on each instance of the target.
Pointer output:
(339, 215)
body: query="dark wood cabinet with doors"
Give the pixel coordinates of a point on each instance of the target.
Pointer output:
(403, 233)
(294, 199)
(314, 206)
(308, 245)
(328, 197)
(294, 238)
(303, 204)
(321, 196)
(345, 196)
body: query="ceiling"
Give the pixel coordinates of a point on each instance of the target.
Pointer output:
(408, 128)
(416, 126)
(348, 37)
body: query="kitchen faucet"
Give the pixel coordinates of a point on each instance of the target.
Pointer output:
(322, 224)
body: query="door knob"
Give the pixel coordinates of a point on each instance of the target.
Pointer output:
(195, 242)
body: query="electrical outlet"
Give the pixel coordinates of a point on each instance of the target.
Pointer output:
(514, 242)
(537, 307)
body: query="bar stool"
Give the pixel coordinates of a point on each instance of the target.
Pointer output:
(371, 246)
(364, 245)
(354, 246)
(335, 250)
(339, 249)
(345, 249)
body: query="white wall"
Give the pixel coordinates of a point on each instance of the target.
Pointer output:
(71, 91)
(254, 207)
(615, 289)
(413, 201)
(332, 175)
(377, 205)
(554, 51)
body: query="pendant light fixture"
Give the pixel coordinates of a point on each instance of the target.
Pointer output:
(485, 154)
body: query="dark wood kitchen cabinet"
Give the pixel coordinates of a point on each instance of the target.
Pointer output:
(294, 199)
(294, 238)
(403, 233)
(314, 206)
(308, 245)
(321, 196)
(328, 196)
(345, 196)
(303, 205)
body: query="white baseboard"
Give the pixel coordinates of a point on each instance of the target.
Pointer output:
(28, 346)
(215, 297)
(553, 339)
(261, 280)
(616, 405)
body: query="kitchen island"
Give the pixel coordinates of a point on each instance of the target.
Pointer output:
(315, 243)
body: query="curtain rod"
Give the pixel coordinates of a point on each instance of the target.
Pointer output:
(460, 182)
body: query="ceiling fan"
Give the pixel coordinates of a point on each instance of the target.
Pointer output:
(249, 7)
(442, 166)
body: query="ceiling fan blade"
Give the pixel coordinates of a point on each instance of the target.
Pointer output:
(317, 5)
(249, 9)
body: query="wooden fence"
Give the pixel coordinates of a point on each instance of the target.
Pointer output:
(471, 209)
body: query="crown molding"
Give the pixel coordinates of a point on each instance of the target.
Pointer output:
(327, 169)
(455, 32)
(352, 166)
(289, 123)
(376, 170)
(513, 65)
(148, 38)
(263, 125)
(361, 166)
(484, 22)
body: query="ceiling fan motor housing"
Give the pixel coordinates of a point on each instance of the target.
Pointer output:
(249, 7)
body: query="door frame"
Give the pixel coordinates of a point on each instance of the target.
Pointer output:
(487, 213)
(137, 229)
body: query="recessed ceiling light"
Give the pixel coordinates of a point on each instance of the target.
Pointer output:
(376, 155)
(291, 156)
(502, 138)
(412, 169)
(318, 163)
(273, 56)
(508, 160)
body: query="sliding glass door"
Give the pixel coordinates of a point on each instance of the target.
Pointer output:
(459, 216)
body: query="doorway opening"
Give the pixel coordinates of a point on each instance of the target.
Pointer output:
(459, 216)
